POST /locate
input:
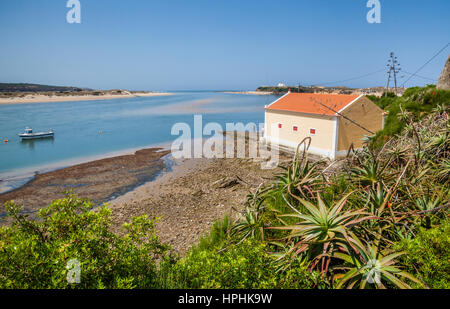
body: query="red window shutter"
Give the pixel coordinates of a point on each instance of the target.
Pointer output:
(279, 126)
(312, 131)
(295, 128)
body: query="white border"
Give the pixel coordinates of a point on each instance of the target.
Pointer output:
(313, 150)
(267, 106)
(343, 153)
(292, 145)
(335, 137)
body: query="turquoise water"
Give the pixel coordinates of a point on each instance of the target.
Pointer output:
(86, 129)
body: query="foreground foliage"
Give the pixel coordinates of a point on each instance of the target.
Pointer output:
(428, 255)
(375, 219)
(378, 221)
(246, 265)
(42, 253)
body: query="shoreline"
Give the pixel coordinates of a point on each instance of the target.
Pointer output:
(99, 180)
(26, 174)
(52, 99)
(189, 195)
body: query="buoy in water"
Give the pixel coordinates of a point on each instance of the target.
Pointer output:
(6, 141)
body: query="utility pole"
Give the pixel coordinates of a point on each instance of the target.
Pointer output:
(393, 69)
(387, 86)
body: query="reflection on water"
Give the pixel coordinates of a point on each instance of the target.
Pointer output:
(94, 128)
(30, 143)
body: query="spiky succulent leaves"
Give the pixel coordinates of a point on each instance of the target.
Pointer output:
(371, 269)
(322, 225)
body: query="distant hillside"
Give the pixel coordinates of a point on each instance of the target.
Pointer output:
(303, 89)
(23, 87)
(378, 91)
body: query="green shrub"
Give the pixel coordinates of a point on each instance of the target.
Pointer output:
(418, 101)
(428, 256)
(241, 266)
(217, 235)
(36, 253)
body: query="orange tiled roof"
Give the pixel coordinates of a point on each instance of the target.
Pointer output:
(313, 103)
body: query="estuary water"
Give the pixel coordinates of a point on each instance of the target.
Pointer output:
(87, 130)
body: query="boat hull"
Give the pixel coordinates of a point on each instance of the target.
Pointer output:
(36, 135)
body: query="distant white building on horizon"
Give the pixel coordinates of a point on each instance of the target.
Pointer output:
(281, 85)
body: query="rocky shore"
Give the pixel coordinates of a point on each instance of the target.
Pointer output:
(187, 197)
(99, 180)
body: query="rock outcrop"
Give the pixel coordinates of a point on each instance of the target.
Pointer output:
(444, 79)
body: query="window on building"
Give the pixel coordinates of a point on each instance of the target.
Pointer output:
(312, 131)
(295, 128)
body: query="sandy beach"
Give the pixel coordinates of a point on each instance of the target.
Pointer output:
(38, 98)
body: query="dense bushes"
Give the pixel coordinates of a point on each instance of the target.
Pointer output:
(220, 260)
(417, 101)
(42, 253)
(246, 265)
(428, 256)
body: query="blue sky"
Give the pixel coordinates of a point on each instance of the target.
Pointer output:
(218, 44)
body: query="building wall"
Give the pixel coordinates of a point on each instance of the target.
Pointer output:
(321, 142)
(364, 112)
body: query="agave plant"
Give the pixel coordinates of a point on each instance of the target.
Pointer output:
(298, 176)
(370, 268)
(428, 202)
(399, 155)
(443, 173)
(376, 198)
(439, 145)
(285, 257)
(370, 172)
(321, 228)
(440, 110)
(250, 223)
(383, 203)
(367, 139)
(404, 115)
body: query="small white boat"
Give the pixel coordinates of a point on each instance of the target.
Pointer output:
(28, 134)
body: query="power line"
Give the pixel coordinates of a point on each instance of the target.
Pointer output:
(414, 74)
(346, 80)
(423, 77)
(338, 113)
